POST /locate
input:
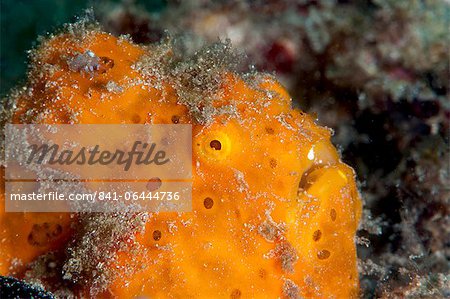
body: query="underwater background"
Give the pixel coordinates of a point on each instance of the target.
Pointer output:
(375, 71)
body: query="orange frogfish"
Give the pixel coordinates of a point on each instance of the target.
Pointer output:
(274, 210)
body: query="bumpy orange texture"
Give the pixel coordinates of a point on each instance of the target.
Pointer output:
(274, 210)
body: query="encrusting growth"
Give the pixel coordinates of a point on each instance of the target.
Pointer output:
(274, 209)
